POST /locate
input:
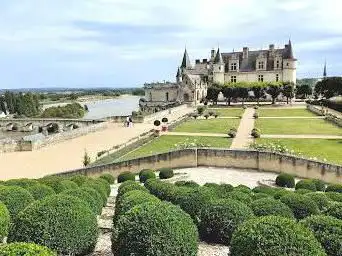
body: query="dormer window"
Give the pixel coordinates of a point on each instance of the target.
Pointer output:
(233, 67)
(261, 65)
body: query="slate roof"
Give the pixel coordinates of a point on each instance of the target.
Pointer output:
(186, 60)
(218, 57)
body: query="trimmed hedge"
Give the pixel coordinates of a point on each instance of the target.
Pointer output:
(274, 235)
(55, 182)
(4, 221)
(334, 196)
(243, 189)
(25, 249)
(79, 179)
(130, 187)
(24, 183)
(157, 229)
(220, 218)
(125, 176)
(60, 222)
(165, 173)
(328, 231)
(144, 175)
(302, 191)
(15, 198)
(301, 205)
(220, 190)
(99, 187)
(334, 188)
(335, 210)
(320, 185)
(186, 183)
(93, 205)
(104, 184)
(306, 184)
(257, 196)
(285, 180)
(108, 177)
(95, 195)
(266, 190)
(320, 199)
(40, 191)
(270, 206)
(241, 196)
(282, 192)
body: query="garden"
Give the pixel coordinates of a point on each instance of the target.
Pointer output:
(208, 126)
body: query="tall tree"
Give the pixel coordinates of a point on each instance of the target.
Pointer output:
(229, 93)
(288, 91)
(274, 90)
(213, 92)
(304, 90)
(259, 92)
(242, 92)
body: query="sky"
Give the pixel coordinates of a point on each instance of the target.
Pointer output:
(125, 43)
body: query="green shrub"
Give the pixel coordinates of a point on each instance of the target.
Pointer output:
(274, 235)
(232, 132)
(4, 221)
(220, 218)
(282, 192)
(25, 249)
(256, 133)
(200, 110)
(285, 180)
(165, 173)
(68, 184)
(79, 179)
(104, 184)
(334, 188)
(266, 190)
(257, 196)
(108, 177)
(99, 187)
(320, 185)
(40, 191)
(15, 198)
(95, 195)
(241, 196)
(157, 229)
(60, 222)
(24, 183)
(221, 191)
(144, 175)
(185, 183)
(334, 196)
(84, 196)
(335, 210)
(243, 189)
(320, 199)
(56, 183)
(270, 206)
(126, 183)
(328, 231)
(306, 184)
(301, 205)
(302, 191)
(135, 186)
(124, 176)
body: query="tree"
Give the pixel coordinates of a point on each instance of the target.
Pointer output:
(329, 87)
(3, 105)
(86, 159)
(304, 90)
(288, 91)
(259, 92)
(229, 93)
(274, 90)
(213, 92)
(242, 92)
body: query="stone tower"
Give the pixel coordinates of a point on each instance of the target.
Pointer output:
(218, 68)
(289, 64)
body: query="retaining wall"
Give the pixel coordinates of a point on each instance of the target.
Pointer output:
(224, 158)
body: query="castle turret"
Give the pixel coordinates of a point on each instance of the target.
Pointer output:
(179, 76)
(218, 68)
(289, 64)
(186, 61)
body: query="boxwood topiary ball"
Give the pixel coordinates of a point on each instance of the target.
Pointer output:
(166, 173)
(125, 176)
(57, 183)
(26, 249)
(40, 191)
(95, 195)
(285, 180)
(108, 177)
(84, 196)
(15, 198)
(301, 205)
(219, 219)
(99, 187)
(334, 196)
(130, 187)
(63, 223)
(334, 188)
(152, 229)
(306, 184)
(144, 175)
(4, 221)
(79, 179)
(335, 210)
(270, 206)
(274, 235)
(328, 231)
(24, 183)
(320, 199)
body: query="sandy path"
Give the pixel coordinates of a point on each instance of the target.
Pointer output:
(243, 138)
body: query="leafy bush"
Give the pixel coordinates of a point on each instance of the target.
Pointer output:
(334, 188)
(126, 183)
(232, 132)
(99, 187)
(84, 196)
(124, 176)
(95, 195)
(320, 185)
(168, 229)
(55, 183)
(274, 235)
(195, 115)
(187, 183)
(15, 198)
(4, 221)
(301, 205)
(285, 180)
(25, 249)
(256, 115)
(241, 196)
(281, 192)
(265, 189)
(335, 210)
(256, 133)
(104, 184)
(79, 179)
(40, 191)
(328, 231)
(257, 196)
(302, 191)
(320, 199)
(130, 187)
(24, 183)
(108, 177)
(211, 113)
(220, 190)
(166, 173)
(165, 120)
(206, 116)
(334, 196)
(60, 222)
(144, 175)
(200, 110)
(220, 218)
(270, 206)
(306, 184)
(156, 123)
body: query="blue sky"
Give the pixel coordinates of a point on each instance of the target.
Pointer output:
(124, 43)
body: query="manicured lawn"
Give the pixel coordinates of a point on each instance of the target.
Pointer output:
(263, 112)
(319, 148)
(228, 111)
(167, 143)
(297, 126)
(209, 126)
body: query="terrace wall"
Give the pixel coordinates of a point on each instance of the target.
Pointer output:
(224, 158)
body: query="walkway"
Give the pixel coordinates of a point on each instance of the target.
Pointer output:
(202, 134)
(243, 138)
(299, 136)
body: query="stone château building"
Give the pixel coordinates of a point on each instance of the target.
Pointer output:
(269, 65)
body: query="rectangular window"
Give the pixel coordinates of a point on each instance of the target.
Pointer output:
(261, 78)
(277, 77)
(233, 79)
(277, 64)
(233, 67)
(261, 65)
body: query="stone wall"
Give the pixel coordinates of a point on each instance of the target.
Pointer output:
(159, 115)
(329, 116)
(315, 109)
(224, 158)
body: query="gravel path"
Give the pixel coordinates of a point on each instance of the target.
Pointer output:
(204, 134)
(299, 136)
(243, 138)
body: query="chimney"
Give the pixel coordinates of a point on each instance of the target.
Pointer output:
(198, 61)
(245, 53)
(205, 61)
(213, 54)
(271, 47)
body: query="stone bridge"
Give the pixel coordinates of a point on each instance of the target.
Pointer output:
(59, 125)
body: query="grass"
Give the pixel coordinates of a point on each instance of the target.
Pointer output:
(167, 143)
(208, 126)
(228, 112)
(285, 112)
(297, 126)
(320, 148)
